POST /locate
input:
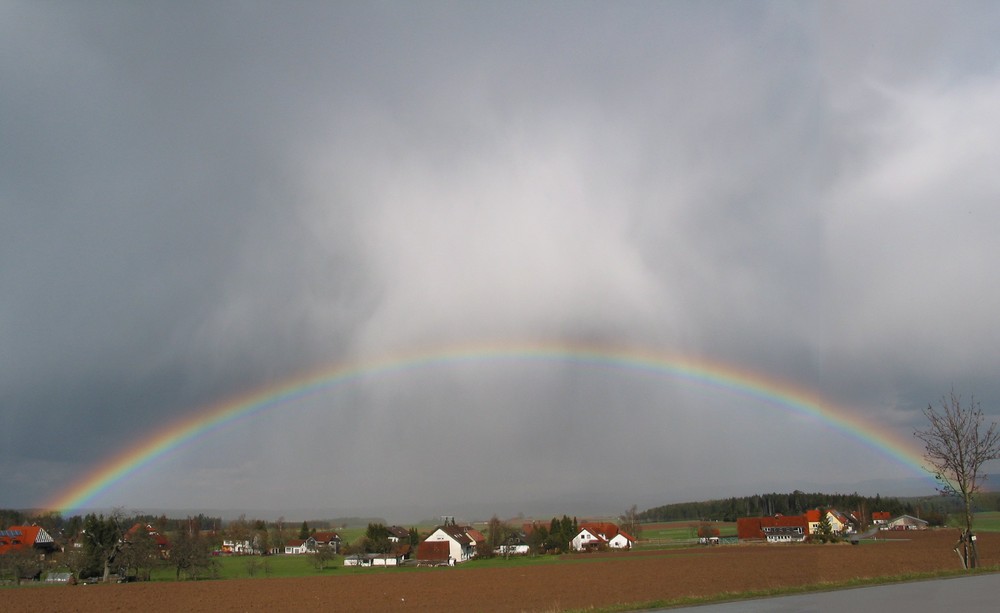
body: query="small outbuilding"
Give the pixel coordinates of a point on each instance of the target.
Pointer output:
(906, 522)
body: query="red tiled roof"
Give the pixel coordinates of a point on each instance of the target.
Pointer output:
(601, 528)
(749, 528)
(476, 535)
(30, 535)
(626, 535)
(325, 537)
(753, 527)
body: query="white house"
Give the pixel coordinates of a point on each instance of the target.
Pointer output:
(297, 547)
(515, 546)
(601, 534)
(621, 541)
(330, 540)
(585, 539)
(461, 546)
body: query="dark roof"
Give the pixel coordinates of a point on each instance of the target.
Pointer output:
(458, 533)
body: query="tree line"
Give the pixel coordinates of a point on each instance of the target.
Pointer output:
(759, 505)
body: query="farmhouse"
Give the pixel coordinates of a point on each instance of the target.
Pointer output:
(297, 547)
(880, 518)
(19, 538)
(398, 534)
(461, 546)
(330, 540)
(839, 522)
(516, 545)
(777, 529)
(597, 535)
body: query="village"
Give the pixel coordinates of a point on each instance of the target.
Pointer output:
(30, 552)
(821, 524)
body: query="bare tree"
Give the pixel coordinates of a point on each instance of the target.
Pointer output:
(956, 445)
(500, 537)
(138, 552)
(630, 523)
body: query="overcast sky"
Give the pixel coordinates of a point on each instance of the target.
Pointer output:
(198, 199)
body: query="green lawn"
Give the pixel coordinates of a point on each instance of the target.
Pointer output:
(243, 567)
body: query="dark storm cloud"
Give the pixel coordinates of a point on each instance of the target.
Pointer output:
(200, 200)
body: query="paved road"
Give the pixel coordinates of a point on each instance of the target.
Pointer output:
(979, 593)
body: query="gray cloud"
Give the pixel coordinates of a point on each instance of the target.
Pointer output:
(198, 201)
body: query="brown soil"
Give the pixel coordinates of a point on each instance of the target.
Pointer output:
(585, 580)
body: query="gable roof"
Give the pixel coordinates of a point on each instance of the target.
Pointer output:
(604, 529)
(22, 537)
(325, 537)
(591, 532)
(457, 533)
(399, 532)
(909, 519)
(839, 516)
(475, 535)
(755, 527)
(628, 536)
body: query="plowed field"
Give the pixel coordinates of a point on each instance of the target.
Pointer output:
(577, 581)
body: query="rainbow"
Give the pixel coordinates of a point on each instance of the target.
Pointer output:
(211, 418)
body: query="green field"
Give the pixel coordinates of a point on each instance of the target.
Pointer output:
(678, 533)
(243, 567)
(988, 521)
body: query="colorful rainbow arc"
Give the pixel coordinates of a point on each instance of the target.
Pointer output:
(715, 374)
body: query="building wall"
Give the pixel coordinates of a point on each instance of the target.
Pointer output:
(454, 547)
(583, 539)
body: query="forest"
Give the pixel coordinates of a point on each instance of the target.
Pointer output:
(795, 503)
